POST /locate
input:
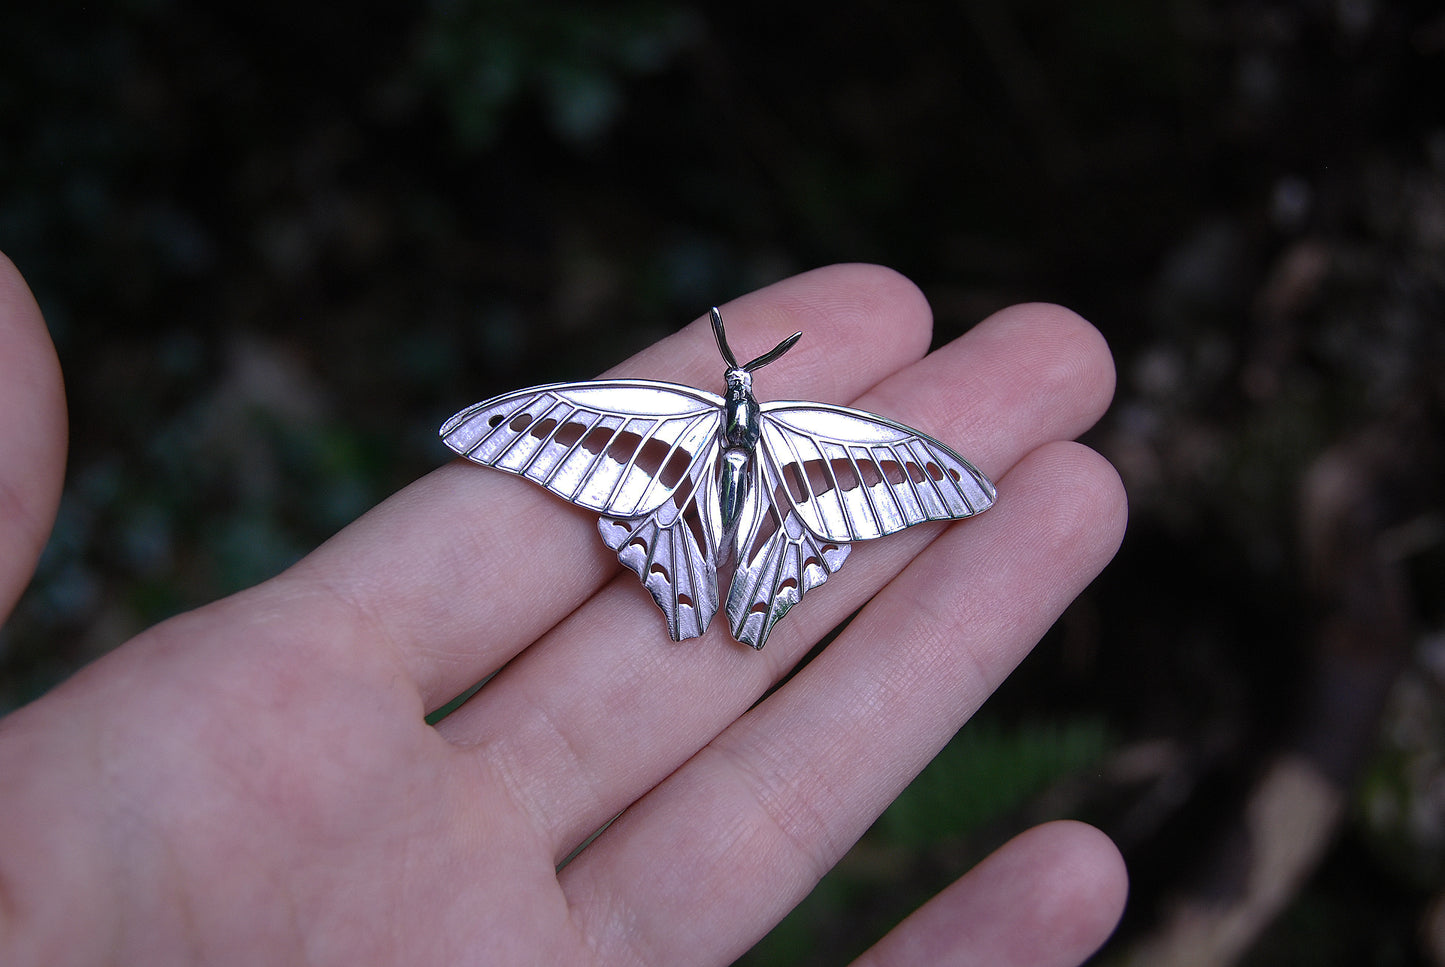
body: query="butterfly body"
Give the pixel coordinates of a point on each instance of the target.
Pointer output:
(741, 429)
(687, 482)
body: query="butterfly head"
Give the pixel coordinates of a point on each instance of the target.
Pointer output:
(738, 380)
(742, 375)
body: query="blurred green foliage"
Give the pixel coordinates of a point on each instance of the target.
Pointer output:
(488, 57)
(987, 771)
(987, 774)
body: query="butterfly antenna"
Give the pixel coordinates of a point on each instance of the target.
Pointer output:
(727, 353)
(773, 353)
(722, 339)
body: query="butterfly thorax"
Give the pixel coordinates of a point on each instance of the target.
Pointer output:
(741, 428)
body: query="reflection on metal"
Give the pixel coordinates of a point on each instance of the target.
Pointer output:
(687, 482)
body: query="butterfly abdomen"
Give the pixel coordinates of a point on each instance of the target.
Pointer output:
(732, 489)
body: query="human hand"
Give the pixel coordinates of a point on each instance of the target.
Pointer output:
(254, 781)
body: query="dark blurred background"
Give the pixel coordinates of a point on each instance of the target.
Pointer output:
(277, 243)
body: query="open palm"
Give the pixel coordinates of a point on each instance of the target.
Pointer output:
(255, 781)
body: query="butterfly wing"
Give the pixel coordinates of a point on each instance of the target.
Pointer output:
(636, 451)
(854, 476)
(619, 447)
(672, 551)
(836, 475)
(778, 558)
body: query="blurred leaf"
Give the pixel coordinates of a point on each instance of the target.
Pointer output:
(486, 56)
(987, 771)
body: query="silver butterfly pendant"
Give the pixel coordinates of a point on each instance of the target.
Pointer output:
(688, 482)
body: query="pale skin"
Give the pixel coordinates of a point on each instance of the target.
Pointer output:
(253, 782)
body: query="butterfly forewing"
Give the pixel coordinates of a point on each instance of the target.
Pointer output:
(619, 447)
(853, 476)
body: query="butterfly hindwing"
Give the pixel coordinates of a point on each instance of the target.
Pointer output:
(778, 561)
(619, 447)
(671, 551)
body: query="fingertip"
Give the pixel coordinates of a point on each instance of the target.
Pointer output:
(875, 296)
(860, 320)
(1088, 505)
(1081, 890)
(1114, 499)
(1069, 358)
(1050, 896)
(860, 323)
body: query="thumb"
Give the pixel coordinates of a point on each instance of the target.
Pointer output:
(32, 434)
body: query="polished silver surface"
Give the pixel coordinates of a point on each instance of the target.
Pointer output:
(688, 482)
